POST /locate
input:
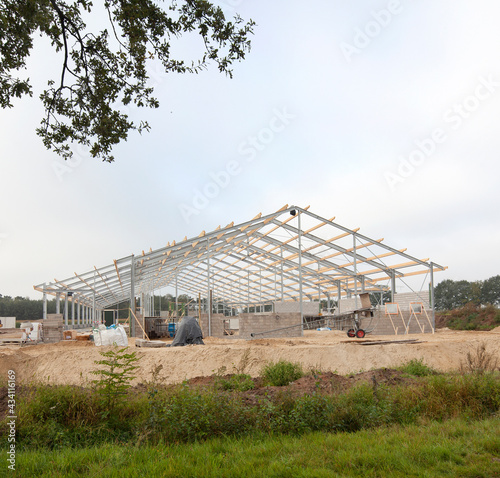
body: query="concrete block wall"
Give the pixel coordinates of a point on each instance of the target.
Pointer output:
(404, 299)
(217, 325)
(308, 307)
(53, 328)
(266, 321)
(349, 304)
(383, 326)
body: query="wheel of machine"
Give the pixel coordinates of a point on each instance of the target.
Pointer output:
(351, 333)
(360, 333)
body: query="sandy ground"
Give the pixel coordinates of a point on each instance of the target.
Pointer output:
(71, 361)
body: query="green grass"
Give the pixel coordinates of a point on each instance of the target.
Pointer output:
(55, 417)
(281, 373)
(417, 368)
(239, 381)
(456, 448)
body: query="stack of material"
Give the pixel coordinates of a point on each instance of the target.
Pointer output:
(53, 328)
(69, 335)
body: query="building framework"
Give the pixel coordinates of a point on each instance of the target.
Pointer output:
(289, 255)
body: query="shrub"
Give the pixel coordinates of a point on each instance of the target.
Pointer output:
(281, 373)
(114, 379)
(418, 368)
(240, 381)
(189, 415)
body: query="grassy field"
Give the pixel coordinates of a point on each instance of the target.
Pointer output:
(455, 448)
(410, 421)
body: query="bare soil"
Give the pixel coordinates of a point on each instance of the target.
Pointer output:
(70, 362)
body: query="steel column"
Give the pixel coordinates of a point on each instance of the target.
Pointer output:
(44, 302)
(432, 298)
(209, 301)
(132, 296)
(66, 309)
(300, 273)
(355, 272)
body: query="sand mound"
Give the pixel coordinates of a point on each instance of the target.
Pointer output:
(70, 362)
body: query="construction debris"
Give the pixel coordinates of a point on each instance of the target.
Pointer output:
(383, 342)
(149, 343)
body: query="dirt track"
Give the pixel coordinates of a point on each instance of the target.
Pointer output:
(70, 362)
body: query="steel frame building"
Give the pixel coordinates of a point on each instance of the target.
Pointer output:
(289, 255)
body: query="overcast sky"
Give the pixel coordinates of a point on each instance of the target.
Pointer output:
(385, 114)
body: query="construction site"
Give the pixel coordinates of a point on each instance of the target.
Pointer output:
(289, 285)
(272, 276)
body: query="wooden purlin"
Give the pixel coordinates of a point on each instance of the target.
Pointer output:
(294, 238)
(337, 247)
(169, 273)
(335, 254)
(200, 286)
(230, 275)
(243, 247)
(321, 243)
(105, 283)
(118, 273)
(362, 237)
(328, 241)
(394, 266)
(232, 237)
(295, 265)
(424, 271)
(92, 288)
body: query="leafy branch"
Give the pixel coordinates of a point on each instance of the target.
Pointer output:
(99, 73)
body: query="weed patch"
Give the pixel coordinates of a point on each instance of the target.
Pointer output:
(417, 368)
(281, 373)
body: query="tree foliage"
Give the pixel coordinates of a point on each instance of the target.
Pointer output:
(451, 294)
(102, 70)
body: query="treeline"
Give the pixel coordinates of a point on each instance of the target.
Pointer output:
(25, 309)
(451, 294)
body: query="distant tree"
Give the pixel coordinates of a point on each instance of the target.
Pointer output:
(490, 291)
(101, 70)
(450, 294)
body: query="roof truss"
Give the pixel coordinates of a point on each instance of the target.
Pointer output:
(254, 262)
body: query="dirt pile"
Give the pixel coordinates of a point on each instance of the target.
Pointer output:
(70, 362)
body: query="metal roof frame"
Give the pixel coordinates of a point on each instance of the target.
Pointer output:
(265, 259)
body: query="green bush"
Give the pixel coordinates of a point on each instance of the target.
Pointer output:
(240, 381)
(115, 376)
(418, 368)
(189, 415)
(281, 373)
(54, 416)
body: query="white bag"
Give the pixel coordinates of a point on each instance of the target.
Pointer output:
(113, 336)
